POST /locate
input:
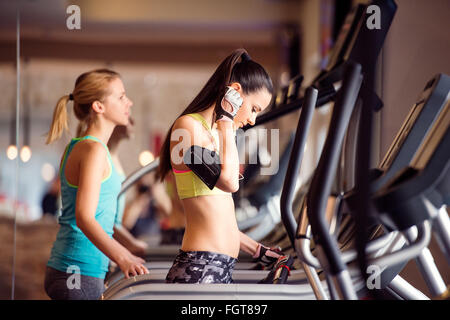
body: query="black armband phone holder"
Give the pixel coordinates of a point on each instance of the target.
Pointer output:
(204, 163)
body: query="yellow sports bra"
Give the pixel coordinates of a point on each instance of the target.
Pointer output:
(188, 184)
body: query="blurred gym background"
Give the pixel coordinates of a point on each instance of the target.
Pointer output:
(165, 52)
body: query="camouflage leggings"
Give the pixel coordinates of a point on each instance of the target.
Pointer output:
(201, 267)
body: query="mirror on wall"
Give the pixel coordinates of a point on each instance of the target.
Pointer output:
(29, 189)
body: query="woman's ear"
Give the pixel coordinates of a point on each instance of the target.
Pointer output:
(236, 86)
(98, 107)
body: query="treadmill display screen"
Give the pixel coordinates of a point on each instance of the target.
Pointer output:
(346, 36)
(433, 139)
(406, 127)
(401, 135)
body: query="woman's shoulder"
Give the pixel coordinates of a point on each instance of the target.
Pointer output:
(187, 122)
(88, 148)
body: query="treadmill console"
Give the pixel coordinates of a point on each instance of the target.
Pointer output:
(428, 106)
(432, 140)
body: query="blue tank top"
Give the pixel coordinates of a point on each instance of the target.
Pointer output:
(72, 250)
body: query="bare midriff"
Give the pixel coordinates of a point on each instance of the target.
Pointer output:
(211, 225)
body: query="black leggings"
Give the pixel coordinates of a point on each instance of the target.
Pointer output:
(201, 267)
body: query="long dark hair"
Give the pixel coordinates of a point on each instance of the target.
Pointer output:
(237, 67)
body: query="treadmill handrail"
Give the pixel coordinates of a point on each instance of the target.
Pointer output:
(303, 247)
(295, 160)
(409, 252)
(321, 183)
(305, 254)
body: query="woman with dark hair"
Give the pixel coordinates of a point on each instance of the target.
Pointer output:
(238, 90)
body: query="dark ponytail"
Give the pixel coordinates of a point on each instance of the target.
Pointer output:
(237, 67)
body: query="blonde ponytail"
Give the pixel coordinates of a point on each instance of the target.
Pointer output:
(59, 122)
(89, 87)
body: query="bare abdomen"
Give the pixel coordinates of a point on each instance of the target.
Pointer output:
(211, 225)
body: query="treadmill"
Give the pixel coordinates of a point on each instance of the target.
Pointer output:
(419, 194)
(431, 102)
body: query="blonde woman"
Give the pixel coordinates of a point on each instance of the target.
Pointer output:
(90, 184)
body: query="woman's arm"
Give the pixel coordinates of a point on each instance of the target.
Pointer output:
(265, 255)
(188, 131)
(229, 158)
(134, 208)
(162, 201)
(91, 168)
(248, 244)
(125, 238)
(230, 104)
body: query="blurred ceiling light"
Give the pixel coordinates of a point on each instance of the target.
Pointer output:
(11, 152)
(25, 153)
(146, 157)
(47, 172)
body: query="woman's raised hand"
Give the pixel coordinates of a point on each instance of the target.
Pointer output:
(231, 102)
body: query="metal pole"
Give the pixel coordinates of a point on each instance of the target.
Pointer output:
(16, 175)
